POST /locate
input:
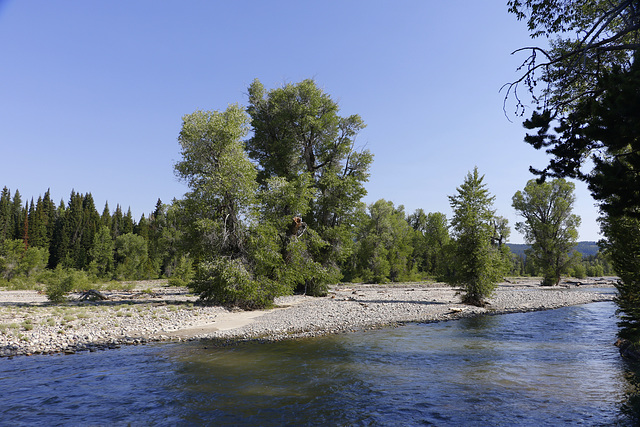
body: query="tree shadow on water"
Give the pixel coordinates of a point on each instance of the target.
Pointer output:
(630, 409)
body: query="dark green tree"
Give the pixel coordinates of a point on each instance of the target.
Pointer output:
(117, 222)
(479, 263)
(105, 218)
(38, 222)
(6, 216)
(128, 224)
(157, 223)
(18, 214)
(623, 249)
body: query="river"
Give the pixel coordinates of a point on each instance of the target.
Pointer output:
(553, 367)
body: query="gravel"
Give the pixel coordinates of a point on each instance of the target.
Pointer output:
(30, 325)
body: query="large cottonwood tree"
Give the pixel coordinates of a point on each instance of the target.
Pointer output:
(549, 226)
(299, 136)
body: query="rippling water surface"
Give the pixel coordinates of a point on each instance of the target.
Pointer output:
(544, 368)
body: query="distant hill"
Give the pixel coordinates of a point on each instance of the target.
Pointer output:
(585, 248)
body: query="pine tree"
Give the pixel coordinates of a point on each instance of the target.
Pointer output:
(49, 208)
(6, 217)
(127, 223)
(116, 223)
(38, 225)
(142, 228)
(59, 242)
(18, 216)
(105, 218)
(91, 222)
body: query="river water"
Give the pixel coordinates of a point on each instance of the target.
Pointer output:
(556, 367)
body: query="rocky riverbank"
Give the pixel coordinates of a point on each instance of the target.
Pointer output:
(31, 325)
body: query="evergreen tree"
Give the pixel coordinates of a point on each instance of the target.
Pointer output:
(142, 228)
(127, 223)
(38, 225)
(169, 240)
(91, 223)
(478, 264)
(623, 248)
(18, 216)
(157, 222)
(50, 216)
(7, 226)
(60, 241)
(116, 222)
(105, 218)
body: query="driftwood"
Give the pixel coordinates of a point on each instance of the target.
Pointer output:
(92, 295)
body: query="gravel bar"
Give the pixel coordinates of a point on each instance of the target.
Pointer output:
(30, 325)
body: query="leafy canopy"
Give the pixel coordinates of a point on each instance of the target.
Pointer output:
(549, 225)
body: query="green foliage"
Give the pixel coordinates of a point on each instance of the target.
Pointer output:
(183, 272)
(130, 257)
(429, 243)
(61, 281)
(385, 245)
(549, 225)
(102, 253)
(587, 39)
(478, 264)
(228, 282)
(307, 168)
(299, 136)
(18, 262)
(623, 248)
(221, 178)
(589, 122)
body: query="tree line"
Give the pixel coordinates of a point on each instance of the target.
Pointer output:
(247, 233)
(389, 245)
(42, 235)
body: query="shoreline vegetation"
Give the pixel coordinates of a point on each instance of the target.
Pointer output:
(153, 311)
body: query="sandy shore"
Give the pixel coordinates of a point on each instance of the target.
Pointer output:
(30, 325)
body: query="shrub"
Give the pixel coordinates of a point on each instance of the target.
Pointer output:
(227, 282)
(62, 281)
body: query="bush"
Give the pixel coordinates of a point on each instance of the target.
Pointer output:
(227, 282)
(62, 281)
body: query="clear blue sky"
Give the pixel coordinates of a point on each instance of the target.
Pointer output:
(92, 93)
